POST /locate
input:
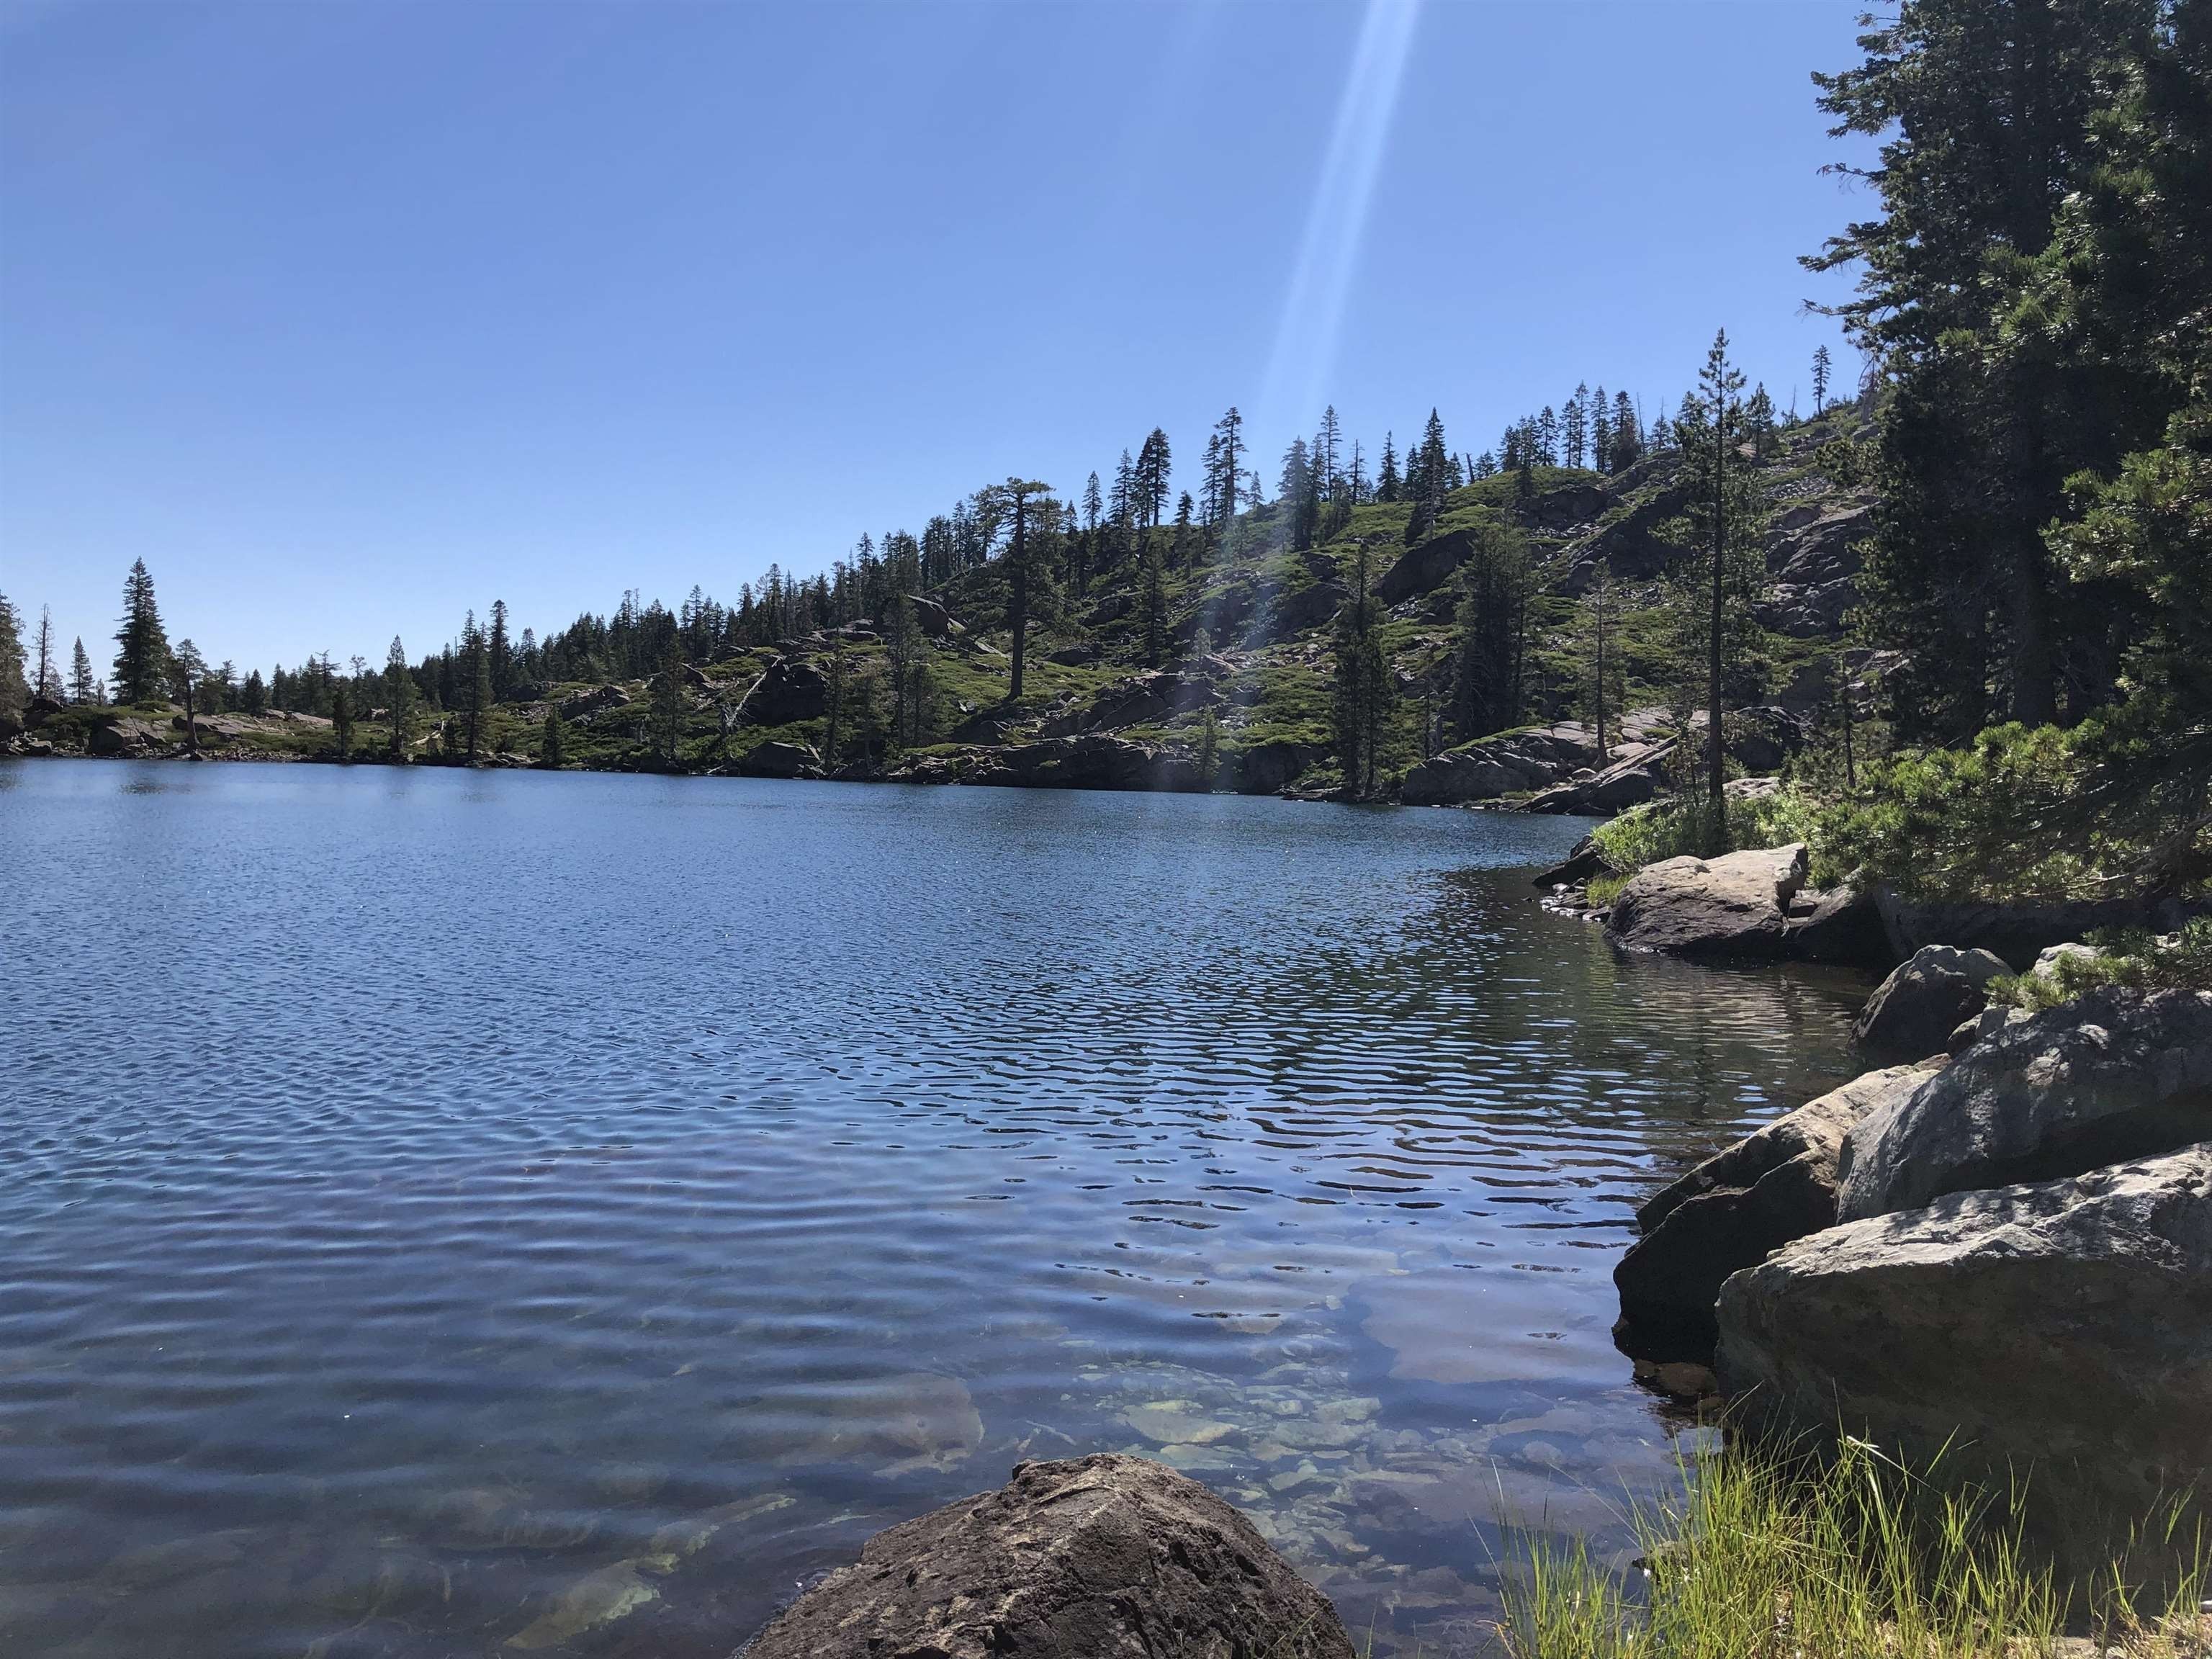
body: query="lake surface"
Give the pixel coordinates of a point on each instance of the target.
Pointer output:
(452, 1214)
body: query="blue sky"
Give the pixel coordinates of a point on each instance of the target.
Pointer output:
(349, 317)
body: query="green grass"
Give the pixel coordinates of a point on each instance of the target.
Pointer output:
(1777, 1555)
(1670, 829)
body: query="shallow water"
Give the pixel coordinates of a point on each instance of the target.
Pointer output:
(448, 1213)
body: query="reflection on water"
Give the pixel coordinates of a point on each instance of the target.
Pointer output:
(449, 1215)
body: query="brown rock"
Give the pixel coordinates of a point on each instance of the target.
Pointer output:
(1106, 1557)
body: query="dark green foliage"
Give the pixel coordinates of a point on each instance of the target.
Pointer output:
(142, 656)
(15, 690)
(399, 699)
(84, 685)
(1363, 689)
(552, 742)
(667, 708)
(342, 721)
(1496, 585)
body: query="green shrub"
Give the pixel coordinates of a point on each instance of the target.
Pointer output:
(1670, 829)
(2130, 957)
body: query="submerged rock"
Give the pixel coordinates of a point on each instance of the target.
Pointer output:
(1101, 1556)
(2059, 1330)
(2116, 1074)
(1735, 905)
(1775, 1186)
(1913, 1012)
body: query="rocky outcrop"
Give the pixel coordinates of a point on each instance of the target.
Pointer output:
(1086, 762)
(1421, 569)
(1140, 700)
(1775, 1186)
(2114, 1075)
(1812, 558)
(1636, 777)
(126, 737)
(1265, 768)
(1287, 613)
(1735, 905)
(2016, 931)
(780, 760)
(2061, 1330)
(1540, 758)
(1913, 1011)
(1107, 1557)
(1582, 862)
(934, 620)
(1841, 925)
(587, 703)
(790, 689)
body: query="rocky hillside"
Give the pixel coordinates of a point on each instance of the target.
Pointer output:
(1240, 698)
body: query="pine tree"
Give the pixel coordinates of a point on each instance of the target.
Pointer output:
(1155, 465)
(1186, 541)
(1386, 481)
(1363, 690)
(665, 706)
(1156, 611)
(1013, 497)
(1496, 585)
(83, 688)
(476, 697)
(1601, 656)
(14, 693)
(342, 721)
(45, 678)
(186, 667)
(1715, 615)
(1209, 747)
(141, 658)
(1820, 365)
(1573, 425)
(501, 651)
(552, 741)
(398, 703)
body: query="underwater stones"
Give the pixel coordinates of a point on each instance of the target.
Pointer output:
(597, 1599)
(1175, 1422)
(1103, 1556)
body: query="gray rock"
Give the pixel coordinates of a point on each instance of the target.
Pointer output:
(585, 703)
(2015, 932)
(1983, 1026)
(1092, 761)
(1107, 1557)
(1844, 926)
(1912, 1013)
(1287, 614)
(1638, 776)
(2116, 1074)
(932, 617)
(1731, 906)
(2061, 1330)
(1579, 866)
(790, 689)
(1419, 569)
(1268, 767)
(780, 760)
(1776, 1185)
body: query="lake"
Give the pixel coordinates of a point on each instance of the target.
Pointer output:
(452, 1213)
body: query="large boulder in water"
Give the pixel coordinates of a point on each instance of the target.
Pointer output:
(1775, 1186)
(2062, 1330)
(1106, 1557)
(2116, 1074)
(1913, 1012)
(1735, 905)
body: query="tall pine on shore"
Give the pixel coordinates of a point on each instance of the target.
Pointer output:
(142, 652)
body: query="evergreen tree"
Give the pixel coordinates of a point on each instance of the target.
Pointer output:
(665, 706)
(552, 741)
(1209, 747)
(1987, 110)
(1821, 364)
(84, 688)
(186, 667)
(501, 651)
(14, 693)
(1386, 481)
(1720, 582)
(1013, 498)
(1496, 585)
(341, 720)
(1186, 542)
(1156, 611)
(1363, 689)
(1601, 658)
(46, 678)
(476, 694)
(398, 701)
(1155, 465)
(1573, 425)
(141, 657)
(253, 696)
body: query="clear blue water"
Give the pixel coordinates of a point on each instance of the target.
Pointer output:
(456, 1214)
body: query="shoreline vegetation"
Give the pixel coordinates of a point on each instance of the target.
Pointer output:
(1928, 671)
